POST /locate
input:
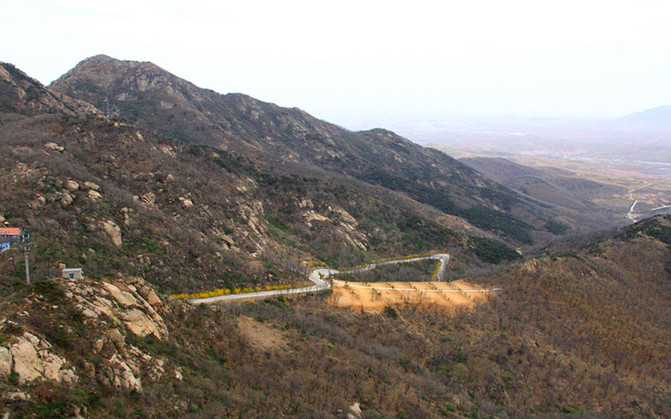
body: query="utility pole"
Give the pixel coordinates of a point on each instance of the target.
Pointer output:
(106, 108)
(26, 251)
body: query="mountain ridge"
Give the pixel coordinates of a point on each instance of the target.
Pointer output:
(231, 214)
(282, 138)
(658, 117)
(20, 92)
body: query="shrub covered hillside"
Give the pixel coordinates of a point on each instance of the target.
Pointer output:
(111, 198)
(586, 332)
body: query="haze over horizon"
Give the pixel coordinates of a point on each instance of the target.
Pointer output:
(356, 63)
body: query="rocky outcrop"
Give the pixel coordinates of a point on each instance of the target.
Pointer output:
(186, 202)
(355, 412)
(31, 359)
(113, 231)
(113, 310)
(39, 202)
(15, 396)
(346, 224)
(148, 199)
(71, 185)
(5, 362)
(110, 311)
(131, 304)
(94, 195)
(150, 295)
(53, 147)
(118, 374)
(142, 324)
(65, 199)
(92, 186)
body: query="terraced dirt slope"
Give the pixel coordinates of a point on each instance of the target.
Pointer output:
(376, 296)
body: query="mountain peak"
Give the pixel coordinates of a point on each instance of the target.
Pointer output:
(96, 59)
(100, 67)
(119, 84)
(102, 59)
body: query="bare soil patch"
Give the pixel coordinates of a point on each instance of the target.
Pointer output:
(260, 335)
(369, 296)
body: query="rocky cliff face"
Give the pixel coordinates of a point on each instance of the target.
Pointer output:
(76, 333)
(30, 359)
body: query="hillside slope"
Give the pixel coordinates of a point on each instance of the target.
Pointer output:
(291, 141)
(559, 187)
(114, 198)
(23, 94)
(581, 333)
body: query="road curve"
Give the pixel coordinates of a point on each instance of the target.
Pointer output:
(630, 214)
(443, 258)
(317, 276)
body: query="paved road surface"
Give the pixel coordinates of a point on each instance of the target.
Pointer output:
(317, 276)
(444, 258)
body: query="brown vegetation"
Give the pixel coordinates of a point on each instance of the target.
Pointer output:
(583, 332)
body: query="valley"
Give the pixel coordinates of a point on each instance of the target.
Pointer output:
(622, 181)
(651, 188)
(628, 155)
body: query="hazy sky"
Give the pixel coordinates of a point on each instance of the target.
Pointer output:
(348, 60)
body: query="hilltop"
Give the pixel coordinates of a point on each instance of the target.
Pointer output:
(655, 119)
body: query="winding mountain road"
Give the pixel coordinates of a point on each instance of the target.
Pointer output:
(317, 276)
(444, 258)
(630, 214)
